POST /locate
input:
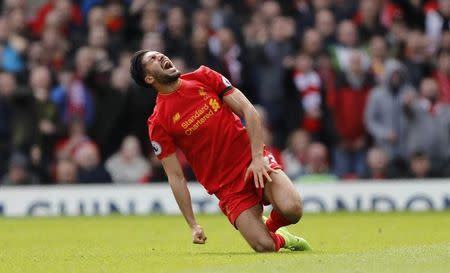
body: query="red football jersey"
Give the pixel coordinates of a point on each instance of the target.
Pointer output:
(194, 119)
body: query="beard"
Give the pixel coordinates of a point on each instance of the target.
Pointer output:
(163, 78)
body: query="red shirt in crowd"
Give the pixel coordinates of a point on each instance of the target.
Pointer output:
(444, 86)
(347, 104)
(37, 25)
(308, 86)
(194, 119)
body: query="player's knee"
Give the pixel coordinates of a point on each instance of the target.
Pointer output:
(263, 245)
(294, 212)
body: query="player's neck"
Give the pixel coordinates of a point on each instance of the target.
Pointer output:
(169, 88)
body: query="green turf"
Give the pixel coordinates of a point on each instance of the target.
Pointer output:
(342, 242)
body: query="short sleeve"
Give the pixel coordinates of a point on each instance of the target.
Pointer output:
(162, 142)
(218, 82)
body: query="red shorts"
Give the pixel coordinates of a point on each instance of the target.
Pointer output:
(240, 195)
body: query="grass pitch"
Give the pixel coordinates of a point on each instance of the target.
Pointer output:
(342, 242)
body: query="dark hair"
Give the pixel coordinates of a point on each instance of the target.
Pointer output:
(137, 69)
(443, 51)
(419, 154)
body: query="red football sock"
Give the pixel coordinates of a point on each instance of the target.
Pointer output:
(276, 220)
(279, 241)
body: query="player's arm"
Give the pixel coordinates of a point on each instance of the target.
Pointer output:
(181, 193)
(242, 107)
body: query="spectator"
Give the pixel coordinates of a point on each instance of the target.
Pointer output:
(201, 18)
(115, 16)
(98, 41)
(124, 59)
(102, 43)
(18, 172)
(269, 10)
(347, 105)
(128, 166)
(326, 72)
(69, 15)
(268, 136)
(343, 9)
(229, 55)
(295, 155)
(13, 48)
(308, 84)
(199, 47)
(150, 19)
(154, 41)
(420, 166)
(13, 4)
(416, 57)
(383, 115)
(55, 47)
(277, 47)
(317, 167)
(254, 31)
(23, 122)
(66, 172)
(378, 51)
(36, 56)
(58, 92)
(46, 112)
(442, 75)
(90, 170)
(6, 113)
(78, 99)
(176, 33)
(311, 43)
(436, 21)
(96, 17)
(213, 7)
(445, 41)
(303, 13)
(326, 26)
(17, 21)
(40, 164)
(347, 42)
(377, 165)
(110, 124)
(368, 20)
(414, 12)
(427, 114)
(396, 37)
(140, 17)
(77, 54)
(67, 148)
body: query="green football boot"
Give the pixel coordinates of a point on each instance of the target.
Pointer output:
(291, 241)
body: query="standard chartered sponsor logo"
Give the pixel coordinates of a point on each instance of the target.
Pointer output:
(199, 122)
(199, 112)
(200, 116)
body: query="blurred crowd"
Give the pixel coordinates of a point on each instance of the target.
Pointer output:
(347, 89)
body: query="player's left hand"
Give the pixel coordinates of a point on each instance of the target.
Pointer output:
(260, 169)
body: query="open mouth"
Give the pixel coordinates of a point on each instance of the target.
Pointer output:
(166, 64)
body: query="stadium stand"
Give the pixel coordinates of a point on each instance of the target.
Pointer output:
(350, 89)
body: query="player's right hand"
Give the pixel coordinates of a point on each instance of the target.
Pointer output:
(198, 236)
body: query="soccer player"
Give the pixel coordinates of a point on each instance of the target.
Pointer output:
(198, 113)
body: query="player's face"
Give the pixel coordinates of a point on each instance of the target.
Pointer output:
(159, 68)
